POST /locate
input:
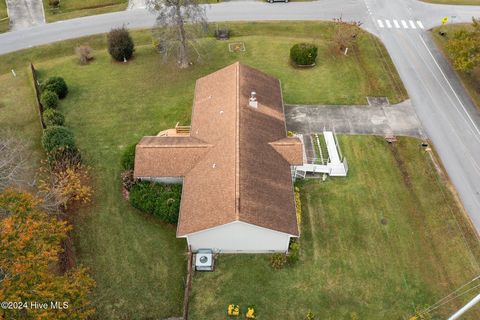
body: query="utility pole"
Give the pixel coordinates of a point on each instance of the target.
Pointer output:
(460, 312)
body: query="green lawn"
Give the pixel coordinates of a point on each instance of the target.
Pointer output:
(18, 114)
(352, 265)
(336, 79)
(458, 2)
(471, 81)
(78, 8)
(138, 264)
(4, 21)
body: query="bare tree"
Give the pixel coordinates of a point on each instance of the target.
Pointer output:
(179, 25)
(345, 33)
(13, 160)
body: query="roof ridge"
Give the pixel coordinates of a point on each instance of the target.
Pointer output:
(237, 142)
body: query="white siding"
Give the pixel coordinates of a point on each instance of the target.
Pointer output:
(239, 237)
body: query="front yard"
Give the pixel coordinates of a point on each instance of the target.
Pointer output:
(78, 8)
(387, 239)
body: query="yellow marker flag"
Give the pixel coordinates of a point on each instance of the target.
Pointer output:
(445, 20)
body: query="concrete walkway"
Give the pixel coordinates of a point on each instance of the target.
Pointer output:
(399, 119)
(25, 13)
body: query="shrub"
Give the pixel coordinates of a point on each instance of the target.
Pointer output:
(310, 316)
(52, 117)
(278, 260)
(120, 44)
(303, 54)
(128, 157)
(128, 181)
(84, 53)
(49, 99)
(293, 251)
(57, 85)
(57, 138)
(161, 200)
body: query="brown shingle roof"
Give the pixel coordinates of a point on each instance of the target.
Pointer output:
(236, 163)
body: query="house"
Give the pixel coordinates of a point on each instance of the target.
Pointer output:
(235, 164)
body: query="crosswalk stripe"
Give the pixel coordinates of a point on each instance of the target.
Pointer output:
(404, 24)
(395, 22)
(389, 25)
(380, 23)
(420, 24)
(412, 24)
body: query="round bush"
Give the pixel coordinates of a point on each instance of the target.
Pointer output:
(57, 85)
(120, 44)
(57, 137)
(49, 99)
(303, 54)
(52, 117)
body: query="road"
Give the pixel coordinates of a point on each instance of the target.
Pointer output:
(447, 114)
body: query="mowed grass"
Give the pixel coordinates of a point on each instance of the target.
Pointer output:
(353, 265)
(471, 81)
(78, 8)
(19, 116)
(4, 21)
(337, 79)
(137, 262)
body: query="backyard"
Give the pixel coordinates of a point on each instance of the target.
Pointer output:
(137, 262)
(387, 239)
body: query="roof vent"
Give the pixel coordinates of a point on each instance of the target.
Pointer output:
(253, 100)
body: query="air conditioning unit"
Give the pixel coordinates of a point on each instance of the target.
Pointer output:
(204, 260)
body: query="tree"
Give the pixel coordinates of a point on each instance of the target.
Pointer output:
(464, 48)
(12, 160)
(30, 243)
(66, 185)
(345, 34)
(120, 44)
(171, 31)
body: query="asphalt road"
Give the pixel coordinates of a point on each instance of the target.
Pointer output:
(448, 116)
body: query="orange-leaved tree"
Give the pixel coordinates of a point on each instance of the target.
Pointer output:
(30, 244)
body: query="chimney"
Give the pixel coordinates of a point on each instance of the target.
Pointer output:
(253, 100)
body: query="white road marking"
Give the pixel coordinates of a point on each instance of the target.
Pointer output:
(420, 24)
(395, 22)
(404, 24)
(380, 23)
(412, 24)
(389, 25)
(448, 82)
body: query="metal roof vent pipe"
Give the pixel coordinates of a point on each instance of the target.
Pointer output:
(253, 100)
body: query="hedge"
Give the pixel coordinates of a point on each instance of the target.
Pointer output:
(57, 85)
(161, 200)
(49, 99)
(128, 157)
(52, 117)
(57, 137)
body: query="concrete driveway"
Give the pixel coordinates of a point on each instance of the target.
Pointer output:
(25, 13)
(399, 119)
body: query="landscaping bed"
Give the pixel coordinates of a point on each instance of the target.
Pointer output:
(138, 264)
(387, 239)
